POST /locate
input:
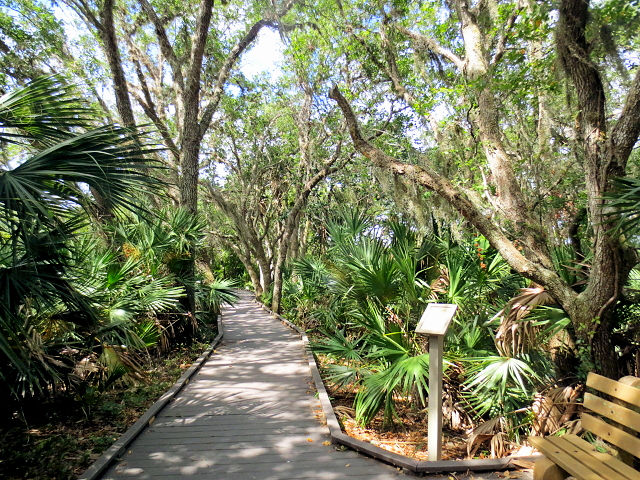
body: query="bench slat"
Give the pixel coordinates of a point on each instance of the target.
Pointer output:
(584, 458)
(611, 461)
(622, 415)
(618, 390)
(564, 460)
(611, 434)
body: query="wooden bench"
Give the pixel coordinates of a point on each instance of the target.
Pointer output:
(613, 417)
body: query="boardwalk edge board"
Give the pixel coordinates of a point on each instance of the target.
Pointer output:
(114, 451)
(397, 460)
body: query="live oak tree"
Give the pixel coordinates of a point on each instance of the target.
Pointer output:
(274, 155)
(31, 40)
(180, 58)
(518, 114)
(175, 61)
(523, 103)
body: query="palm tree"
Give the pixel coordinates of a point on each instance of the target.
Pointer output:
(44, 197)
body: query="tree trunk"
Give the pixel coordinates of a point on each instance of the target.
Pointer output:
(292, 224)
(265, 274)
(255, 279)
(109, 40)
(603, 352)
(285, 243)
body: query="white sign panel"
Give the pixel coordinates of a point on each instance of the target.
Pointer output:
(436, 318)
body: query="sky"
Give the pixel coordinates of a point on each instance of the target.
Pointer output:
(265, 56)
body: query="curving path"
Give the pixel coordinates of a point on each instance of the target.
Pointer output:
(249, 413)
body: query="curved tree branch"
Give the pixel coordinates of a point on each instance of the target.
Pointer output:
(433, 181)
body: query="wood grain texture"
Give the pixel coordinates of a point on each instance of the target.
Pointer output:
(251, 412)
(618, 390)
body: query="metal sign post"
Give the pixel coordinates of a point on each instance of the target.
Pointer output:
(434, 322)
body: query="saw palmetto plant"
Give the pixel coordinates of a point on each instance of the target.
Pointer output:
(45, 197)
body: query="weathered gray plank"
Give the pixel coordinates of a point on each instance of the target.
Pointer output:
(249, 413)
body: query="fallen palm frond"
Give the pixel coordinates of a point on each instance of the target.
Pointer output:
(555, 409)
(493, 431)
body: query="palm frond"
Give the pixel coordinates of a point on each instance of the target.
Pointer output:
(625, 201)
(107, 159)
(45, 111)
(407, 376)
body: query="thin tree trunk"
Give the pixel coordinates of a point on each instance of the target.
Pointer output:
(110, 43)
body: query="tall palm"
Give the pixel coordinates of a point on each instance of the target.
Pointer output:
(43, 198)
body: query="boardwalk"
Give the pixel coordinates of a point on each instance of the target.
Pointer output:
(250, 413)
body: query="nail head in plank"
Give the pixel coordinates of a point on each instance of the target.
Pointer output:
(615, 389)
(611, 434)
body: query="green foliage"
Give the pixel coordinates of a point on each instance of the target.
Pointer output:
(406, 376)
(82, 302)
(500, 385)
(365, 298)
(625, 201)
(31, 38)
(218, 293)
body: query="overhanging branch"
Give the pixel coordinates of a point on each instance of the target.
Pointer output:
(457, 199)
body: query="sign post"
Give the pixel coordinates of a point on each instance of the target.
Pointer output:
(434, 322)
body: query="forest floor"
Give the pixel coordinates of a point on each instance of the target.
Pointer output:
(61, 439)
(406, 436)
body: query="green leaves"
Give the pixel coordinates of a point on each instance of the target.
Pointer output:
(43, 195)
(499, 384)
(406, 376)
(218, 293)
(45, 111)
(625, 201)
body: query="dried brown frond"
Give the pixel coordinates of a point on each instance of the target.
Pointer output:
(493, 432)
(516, 336)
(439, 285)
(345, 411)
(454, 408)
(556, 408)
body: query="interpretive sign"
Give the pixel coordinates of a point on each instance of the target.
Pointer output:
(436, 318)
(434, 322)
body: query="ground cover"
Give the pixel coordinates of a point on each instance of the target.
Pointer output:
(59, 439)
(407, 435)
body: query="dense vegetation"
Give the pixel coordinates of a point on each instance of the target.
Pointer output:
(482, 153)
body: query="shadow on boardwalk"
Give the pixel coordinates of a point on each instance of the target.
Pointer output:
(249, 413)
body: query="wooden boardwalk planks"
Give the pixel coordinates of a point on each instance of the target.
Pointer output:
(249, 413)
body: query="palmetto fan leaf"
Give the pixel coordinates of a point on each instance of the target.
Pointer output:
(625, 200)
(497, 381)
(406, 376)
(108, 159)
(516, 335)
(45, 111)
(41, 202)
(220, 292)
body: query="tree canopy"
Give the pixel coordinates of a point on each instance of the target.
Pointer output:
(480, 152)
